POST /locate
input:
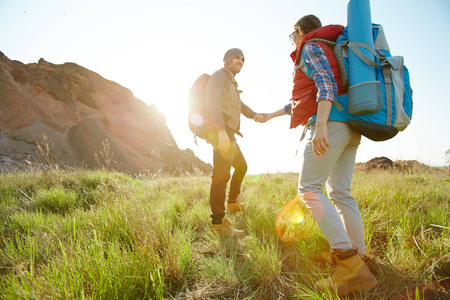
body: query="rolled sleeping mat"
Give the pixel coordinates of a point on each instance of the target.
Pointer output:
(364, 95)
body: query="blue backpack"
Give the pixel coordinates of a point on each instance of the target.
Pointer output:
(392, 110)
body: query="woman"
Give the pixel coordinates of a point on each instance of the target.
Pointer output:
(320, 101)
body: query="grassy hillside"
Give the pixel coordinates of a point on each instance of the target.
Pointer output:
(104, 235)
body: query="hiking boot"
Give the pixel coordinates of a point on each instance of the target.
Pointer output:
(348, 274)
(226, 221)
(235, 207)
(325, 256)
(225, 229)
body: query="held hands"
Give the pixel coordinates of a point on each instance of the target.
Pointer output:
(261, 118)
(264, 117)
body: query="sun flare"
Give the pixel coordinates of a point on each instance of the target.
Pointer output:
(290, 221)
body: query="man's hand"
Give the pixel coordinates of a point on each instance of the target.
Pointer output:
(224, 141)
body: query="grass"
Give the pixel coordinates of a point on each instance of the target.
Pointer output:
(105, 235)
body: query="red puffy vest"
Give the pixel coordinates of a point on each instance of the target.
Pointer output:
(304, 91)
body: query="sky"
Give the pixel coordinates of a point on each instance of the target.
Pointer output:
(158, 48)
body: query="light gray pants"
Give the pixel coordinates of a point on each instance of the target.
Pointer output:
(341, 223)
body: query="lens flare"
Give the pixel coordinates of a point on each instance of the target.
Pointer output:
(211, 137)
(197, 119)
(289, 225)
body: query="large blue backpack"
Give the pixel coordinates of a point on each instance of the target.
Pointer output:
(393, 109)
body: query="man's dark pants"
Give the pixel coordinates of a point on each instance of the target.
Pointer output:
(223, 161)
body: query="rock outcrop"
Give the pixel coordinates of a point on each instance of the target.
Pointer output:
(379, 163)
(82, 116)
(384, 163)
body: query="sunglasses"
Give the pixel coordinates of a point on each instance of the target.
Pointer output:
(291, 36)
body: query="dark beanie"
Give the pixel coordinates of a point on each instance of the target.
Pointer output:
(230, 54)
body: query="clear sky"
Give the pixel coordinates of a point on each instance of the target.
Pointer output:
(158, 48)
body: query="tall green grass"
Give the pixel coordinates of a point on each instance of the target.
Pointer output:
(105, 235)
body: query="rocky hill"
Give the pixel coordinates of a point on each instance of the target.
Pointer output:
(79, 113)
(384, 163)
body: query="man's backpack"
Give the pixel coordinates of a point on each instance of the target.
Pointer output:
(198, 118)
(394, 110)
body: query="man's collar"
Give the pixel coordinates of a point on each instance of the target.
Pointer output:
(229, 72)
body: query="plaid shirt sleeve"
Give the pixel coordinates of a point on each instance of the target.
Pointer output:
(321, 71)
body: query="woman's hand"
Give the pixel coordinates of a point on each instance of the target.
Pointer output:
(320, 139)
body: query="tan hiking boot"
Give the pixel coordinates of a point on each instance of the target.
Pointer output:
(225, 229)
(226, 221)
(325, 256)
(348, 274)
(235, 207)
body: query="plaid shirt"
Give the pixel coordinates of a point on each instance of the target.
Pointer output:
(321, 72)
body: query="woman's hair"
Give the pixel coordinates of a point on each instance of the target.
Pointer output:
(308, 23)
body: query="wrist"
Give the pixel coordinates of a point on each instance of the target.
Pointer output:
(321, 123)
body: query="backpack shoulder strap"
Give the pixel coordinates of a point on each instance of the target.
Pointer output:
(229, 74)
(338, 50)
(330, 44)
(354, 47)
(302, 64)
(339, 53)
(231, 78)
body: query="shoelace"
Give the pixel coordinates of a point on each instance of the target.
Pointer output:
(333, 266)
(226, 222)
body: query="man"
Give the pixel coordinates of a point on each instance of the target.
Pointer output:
(224, 106)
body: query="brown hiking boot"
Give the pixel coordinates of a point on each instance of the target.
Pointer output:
(348, 274)
(225, 229)
(235, 207)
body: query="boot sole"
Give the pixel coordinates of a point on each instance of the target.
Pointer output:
(360, 285)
